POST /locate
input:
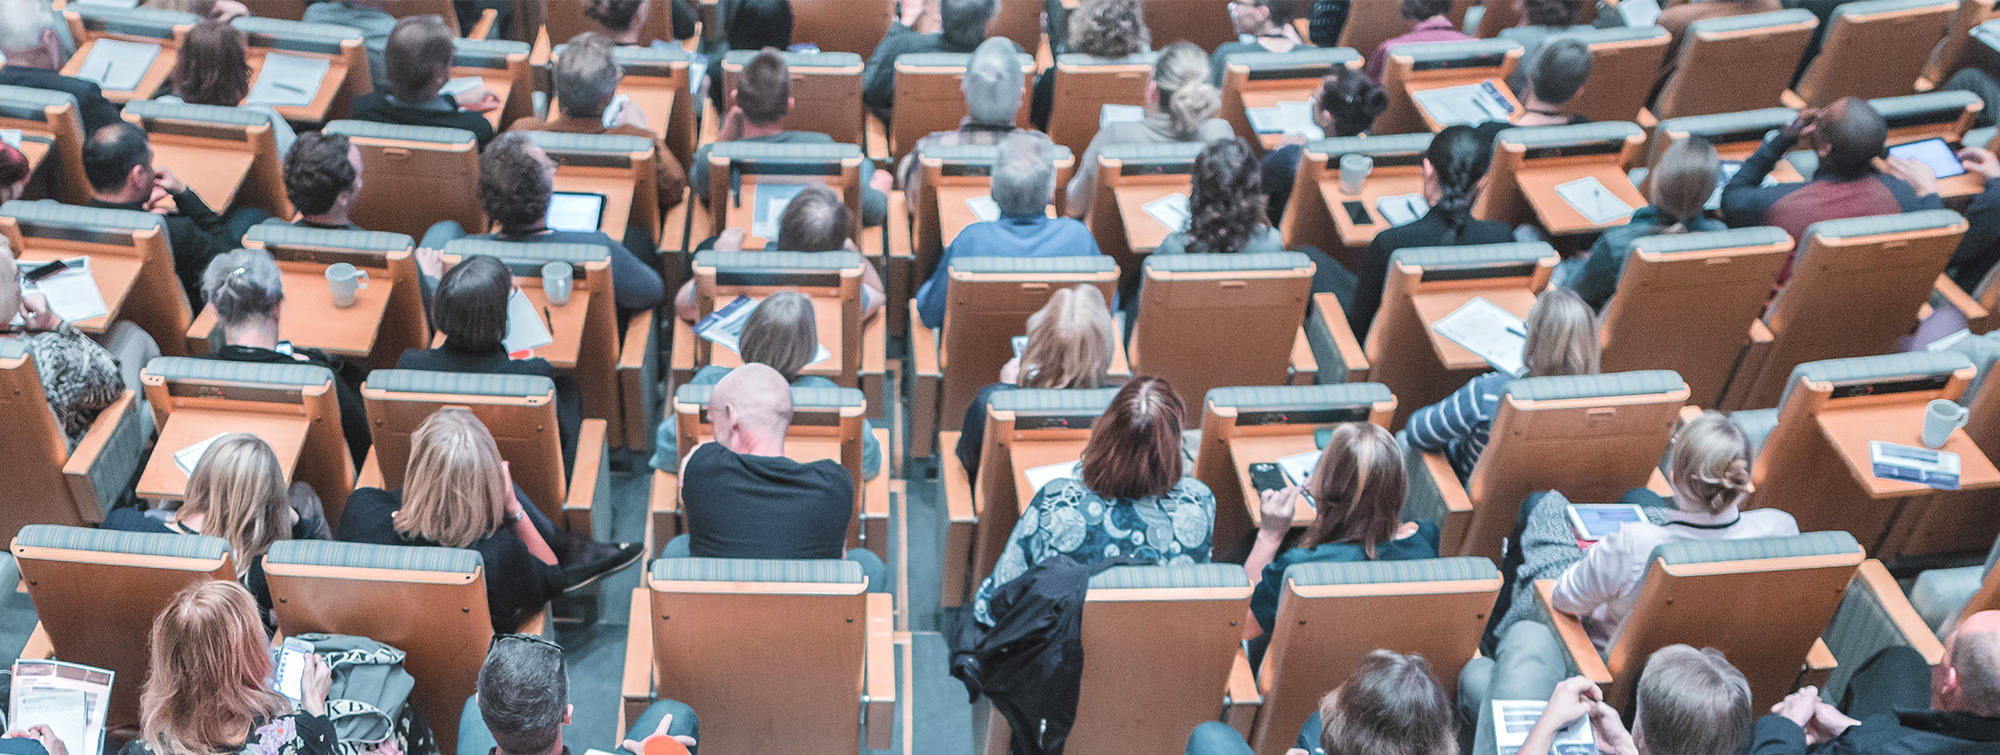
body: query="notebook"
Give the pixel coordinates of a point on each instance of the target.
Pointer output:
(1589, 197)
(288, 80)
(526, 330)
(1171, 210)
(1489, 332)
(1294, 118)
(72, 293)
(1467, 105)
(117, 65)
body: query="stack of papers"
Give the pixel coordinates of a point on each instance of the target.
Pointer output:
(71, 699)
(1299, 467)
(1171, 210)
(527, 329)
(1119, 114)
(1402, 209)
(724, 327)
(1513, 719)
(187, 458)
(288, 80)
(1924, 466)
(1039, 477)
(72, 293)
(1489, 332)
(768, 206)
(461, 85)
(983, 207)
(1590, 198)
(1637, 13)
(11, 136)
(1294, 118)
(1468, 105)
(117, 65)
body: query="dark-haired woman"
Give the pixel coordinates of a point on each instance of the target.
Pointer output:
(1345, 104)
(212, 70)
(1225, 205)
(1454, 172)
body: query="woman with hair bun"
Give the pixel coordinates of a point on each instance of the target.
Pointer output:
(1345, 104)
(1180, 107)
(1454, 173)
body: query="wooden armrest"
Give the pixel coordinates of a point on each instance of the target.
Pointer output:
(484, 28)
(638, 681)
(1958, 298)
(674, 226)
(961, 520)
(121, 415)
(592, 470)
(1657, 482)
(1244, 699)
(1820, 658)
(1575, 641)
(683, 351)
(663, 511)
(371, 471)
(924, 347)
(1121, 362)
(38, 646)
(877, 506)
(1305, 369)
(1449, 487)
(879, 688)
(899, 262)
(635, 384)
(1689, 412)
(1875, 578)
(1330, 328)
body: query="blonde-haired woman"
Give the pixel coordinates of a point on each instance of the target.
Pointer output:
(1069, 346)
(1682, 182)
(1562, 340)
(237, 493)
(1180, 107)
(208, 684)
(457, 493)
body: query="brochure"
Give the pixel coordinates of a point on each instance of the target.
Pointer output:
(1489, 332)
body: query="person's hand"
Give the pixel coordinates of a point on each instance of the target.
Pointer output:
(1010, 373)
(1612, 738)
(732, 126)
(167, 181)
(1274, 509)
(1914, 172)
(1980, 160)
(36, 315)
(638, 747)
(881, 181)
(1828, 723)
(430, 262)
(514, 510)
(228, 10)
(1799, 706)
(160, 202)
(43, 734)
(1801, 124)
(1574, 698)
(479, 99)
(630, 115)
(314, 684)
(731, 239)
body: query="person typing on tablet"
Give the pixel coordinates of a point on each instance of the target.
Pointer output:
(1980, 247)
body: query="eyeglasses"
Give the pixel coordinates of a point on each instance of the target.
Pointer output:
(527, 638)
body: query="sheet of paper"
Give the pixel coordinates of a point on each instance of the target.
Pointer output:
(1469, 105)
(724, 327)
(770, 202)
(64, 711)
(12, 136)
(1285, 118)
(1299, 466)
(288, 80)
(49, 690)
(1043, 475)
(187, 458)
(983, 207)
(118, 65)
(1513, 719)
(1171, 210)
(1639, 12)
(461, 85)
(1589, 196)
(72, 293)
(1402, 209)
(1119, 114)
(526, 329)
(1489, 332)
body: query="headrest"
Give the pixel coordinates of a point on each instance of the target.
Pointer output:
(373, 130)
(459, 383)
(346, 555)
(1565, 387)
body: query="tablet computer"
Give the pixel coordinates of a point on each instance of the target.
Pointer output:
(1596, 521)
(1933, 152)
(575, 211)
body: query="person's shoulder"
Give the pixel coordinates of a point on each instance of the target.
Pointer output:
(132, 520)
(1776, 521)
(1191, 489)
(800, 137)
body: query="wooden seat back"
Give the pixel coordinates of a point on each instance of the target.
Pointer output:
(130, 258)
(1736, 63)
(826, 88)
(1875, 48)
(51, 138)
(1084, 85)
(1025, 428)
(1244, 425)
(228, 156)
(1648, 325)
(1425, 284)
(1413, 67)
(414, 176)
(989, 300)
(155, 27)
(1210, 320)
(930, 97)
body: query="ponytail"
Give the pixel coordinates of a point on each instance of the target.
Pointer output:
(1459, 157)
(1710, 461)
(1181, 76)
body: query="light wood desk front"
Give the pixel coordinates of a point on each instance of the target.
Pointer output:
(185, 427)
(1247, 450)
(1850, 430)
(1482, 77)
(311, 320)
(156, 74)
(1437, 302)
(114, 274)
(322, 101)
(498, 81)
(1143, 233)
(1538, 184)
(213, 170)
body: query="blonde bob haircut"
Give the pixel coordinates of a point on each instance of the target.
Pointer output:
(206, 672)
(1562, 335)
(240, 489)
(1069, 341)
(455, 491)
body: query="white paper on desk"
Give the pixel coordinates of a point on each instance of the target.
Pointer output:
(526, 330)
(1299, 467)
(45, 692)
(1489, 332)
(1171, 210)
(1513, 719)
(72, 293)
(1468, 105)
(768, 206)
(983, 207)
(1285, 118)
(1112, 113)
(461, 85)
(187, 458)
(12, 136)
(1639, 13)
(1589, 196)
(1041, 476)
(288, 80)
(117, 65)
(724, 327)
(1402, 209)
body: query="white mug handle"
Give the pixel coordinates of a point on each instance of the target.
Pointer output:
(360, 279)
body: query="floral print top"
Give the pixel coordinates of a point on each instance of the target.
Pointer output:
(289, 734)
(1067, 518)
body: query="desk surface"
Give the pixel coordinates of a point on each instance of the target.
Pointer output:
(1142, 231)
(655, 98)
(212, 170)
(1447, 82)
(1270, 97)
(1850, 430)
(163, 66)
(1434, 305)
(1028, 454)
(329, 86)
(566, 322)
(1254, 449)
(114, 274)
(310, 318)
(1391, 182)
(186, 427)
(498, 81)
(34, 147)
(1538, 184)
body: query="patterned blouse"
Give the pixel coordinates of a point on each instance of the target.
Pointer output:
(289, 734)
(1067, 518)
(79, 378)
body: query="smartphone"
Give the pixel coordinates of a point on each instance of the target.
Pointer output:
(1358, 213)
(1266, 475)
(289, 677)
(44, 271)
(1596, 521)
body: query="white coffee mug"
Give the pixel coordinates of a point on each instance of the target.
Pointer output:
(558, 279)
(1940, 418)
(344, 280)
(1354, 170)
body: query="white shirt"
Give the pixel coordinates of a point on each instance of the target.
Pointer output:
(1604, 586)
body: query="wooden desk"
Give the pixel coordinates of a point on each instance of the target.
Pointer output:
(1850, 430)
(655, 98)
(163, 65)
(310, 318)
(1538, 183)
(1142, 232)
(498, 81)
(1254, 449)
(1441, 83)
(114, 273)
(1434, 305)
(329, 86)
(1263, 98)
(185, 427)
(827, 318)
(213, 170)
(35, 147)
(1384, 182)
(1028, 454)
(614, 184)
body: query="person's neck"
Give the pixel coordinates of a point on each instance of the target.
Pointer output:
(753, 129)
(128, 196)
(336, 217)
(630, 37)
(32, 58)
(1536, 106)
(1697, 516)
(753, 444)
(260, 334)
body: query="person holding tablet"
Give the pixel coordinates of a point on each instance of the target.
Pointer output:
(1980, 247)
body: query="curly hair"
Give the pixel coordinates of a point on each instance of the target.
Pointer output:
(211, 69)
(317, 171)
(1550, 12)
(615, 15)
(1227, 204)
(1109, 29)
(514, 184)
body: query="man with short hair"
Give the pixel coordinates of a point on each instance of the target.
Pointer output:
(1847, 136)
(742, 497)
(366, 16)
(118, 163)
(816, 220)
(962, 27)
(416, 64)
(31, 48)
(1691, 702)
(323, 178)
(1430, 22)
(586, 81)
(763, 99)
(1963, 715)
(992, 85)
(1024, 179)
(522, 703)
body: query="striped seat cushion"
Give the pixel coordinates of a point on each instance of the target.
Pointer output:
(1871, 7)
(1300, 397)
(1473, 255)
(1074, 265)
(1328, 573)
(1702, 242)
(1938, 104)
(1721, 26)
(297, 36)
(697, 394)
(1744, 122)
(31, 104)
(1915, 364)
(459, 383)
(182, 111)
(1685, 552)
(1562, 136)
(1437, 52)
(1054, 401)
(1171, 153)
(977, 154)
(396, 132)
(604, 144)
(808, 60)
(158, 544)
(1558, 388)
(189, 369)
(528, 253)
(48, 213)
(287, 235)
(1297, 58)
(1388, 144)
(486, 53)
(1228, 263)
(1077, 60)
(1170, 577)
(157, 23)
(821, 571)
(815, 262)
(1877, 225)
(370, 556)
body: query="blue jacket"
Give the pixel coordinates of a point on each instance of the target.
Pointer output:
(1010, 236)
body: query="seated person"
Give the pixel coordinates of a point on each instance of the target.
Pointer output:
(586, 81)
(1180, 107)
(248, 294)
(992, 98)
(79, 378)
(14, 173)
(1225, 205)
(1069, 346)
(763, 99)
(516, 181)
(1559, 69)
(1980, 247)
(1454, 174)
(1958, 711)
(1356, 494)
(1562, 340)
(746, 25)
(470, 311)
(416, 66)
(1102, 29)
(1261, 26)
(323, 178)
(1392, 705)
(783, 334)
(1430, 21)
(1682, 182)
(1690, 701)
(522, 704)
(1024, 180)
(1345, 104)
(962, 27)
(1131, 472)
(625, 20)
(368, 17)
(211, 69)
(816, 220)
(32, 54)
(237, 493)
(118, 162)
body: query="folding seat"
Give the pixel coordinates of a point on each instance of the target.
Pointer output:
(1947, 115)
(1421, 66)
(1874, 616)
(1624, 61)
(831, 279)
(1956, 50)
(1733, 64)
(129, 259)
(502, 65)
(1018, 20)
(51, 138)
(393, 299)
(1686, 302)
(1197, 21)
(657, 82)
(1162, 641)
(1591, 437)
(429, 603)
(1855, 288)
(97, 592)
(1331, 616)
(1259, 80)
(952, 176)
(616, 166)
(1322, 214)
(826, 86)
(930, 97)
(780, 656)
(414, 176)
(1025, 429)
(48, 483)
(228, 156)
(1941, 597)
(1084, 85)
(1370, 24)
(347, 73)
(1210, 320)
(1130, 177)
(128, 29)
(1530, 163)
(1874, 48)
(1246, 425)
(292, 407)
(737, 171)
(1697, 592)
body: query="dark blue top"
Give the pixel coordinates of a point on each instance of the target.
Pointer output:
(1264, 601)
(1010, 236)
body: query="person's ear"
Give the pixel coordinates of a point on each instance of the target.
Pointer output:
(569, 712)
(791, 102)
(142, 176)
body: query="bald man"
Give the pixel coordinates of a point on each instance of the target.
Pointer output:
(743, 498)
(1847, 136)
(1964, 714)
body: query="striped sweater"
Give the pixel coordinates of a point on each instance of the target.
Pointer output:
(1460, 424)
